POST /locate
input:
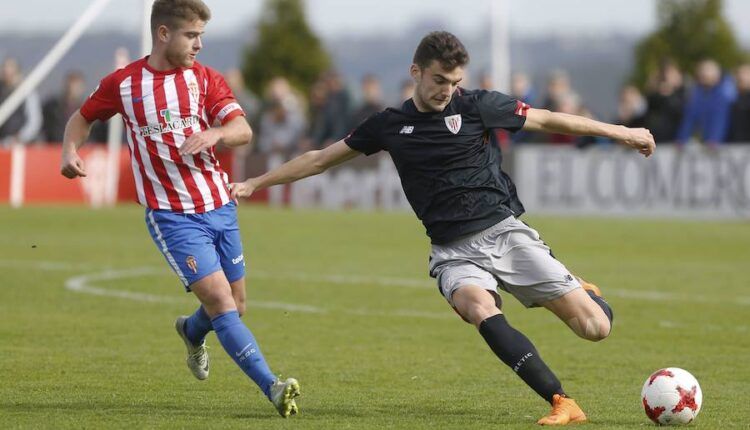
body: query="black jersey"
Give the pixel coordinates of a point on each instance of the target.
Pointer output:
(449, 171)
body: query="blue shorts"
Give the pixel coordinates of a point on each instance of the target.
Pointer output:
(197, 245)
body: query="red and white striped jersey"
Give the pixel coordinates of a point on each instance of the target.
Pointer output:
(161, 109)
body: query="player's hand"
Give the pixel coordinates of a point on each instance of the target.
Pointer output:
(242, 189)
(641, 140)
(200, 141)
(72, 165)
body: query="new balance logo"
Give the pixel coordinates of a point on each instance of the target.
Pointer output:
(407, 129)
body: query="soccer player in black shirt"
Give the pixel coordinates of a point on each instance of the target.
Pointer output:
(438, 141)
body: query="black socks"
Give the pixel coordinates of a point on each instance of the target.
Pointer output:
(517, 351)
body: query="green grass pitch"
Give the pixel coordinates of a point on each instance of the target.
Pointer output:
(342, 301)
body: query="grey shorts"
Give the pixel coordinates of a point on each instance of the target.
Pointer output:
(509, 255)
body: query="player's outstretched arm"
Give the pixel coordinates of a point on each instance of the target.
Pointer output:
(308, 164)
(235, 132)
(556, 122)
(76, 131)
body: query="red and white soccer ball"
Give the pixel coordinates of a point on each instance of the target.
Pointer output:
(671, 396)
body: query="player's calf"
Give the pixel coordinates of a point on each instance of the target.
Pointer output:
(582, 314)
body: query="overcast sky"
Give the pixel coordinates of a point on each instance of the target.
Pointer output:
(334, 17)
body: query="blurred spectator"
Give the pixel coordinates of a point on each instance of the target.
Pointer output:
(565, 102)
(24, 124)
(708, 106)
(281, 122)
(58, 108)
(247, 100)
(316, 121)
(558, 87)
(521, 89)
(485, 82)
(333, 119)
(631, 107)
(406, 91)
(739, 128)
(251, 105)
(372, 101)
(665, 99)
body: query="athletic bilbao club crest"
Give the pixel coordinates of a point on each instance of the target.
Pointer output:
(192, 263)
(193, 89)
(453, 123)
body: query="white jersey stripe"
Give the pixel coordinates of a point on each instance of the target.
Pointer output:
(153, 116)
(204, 115)
(179, 139)
(125, 95)
(160, 193)
(149, 108)
(216, 177)
(136, 171)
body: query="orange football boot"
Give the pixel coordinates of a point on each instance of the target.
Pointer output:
(588, 286)
(564, 411)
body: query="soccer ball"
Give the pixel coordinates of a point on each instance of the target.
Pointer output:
(671, 396)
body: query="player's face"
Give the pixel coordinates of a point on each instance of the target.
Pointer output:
(184, 43)
(435, 85)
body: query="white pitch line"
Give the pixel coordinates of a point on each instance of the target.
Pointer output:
(671, 297)
(81, 284)
(383, 281)
(703, 327)
(386, 281)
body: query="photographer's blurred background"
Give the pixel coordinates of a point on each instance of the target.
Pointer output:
(307, 72)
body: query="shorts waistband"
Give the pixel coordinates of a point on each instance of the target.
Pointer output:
(476, 235)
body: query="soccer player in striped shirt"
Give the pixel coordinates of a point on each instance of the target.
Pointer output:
(169, 102)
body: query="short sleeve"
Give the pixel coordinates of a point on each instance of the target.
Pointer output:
(104, 102)
(366, 137)
(498, 110)
(220, 102)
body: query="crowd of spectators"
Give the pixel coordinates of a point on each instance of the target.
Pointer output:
(710, 105)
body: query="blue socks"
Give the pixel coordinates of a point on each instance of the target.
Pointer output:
(198, 326)
(240, 344)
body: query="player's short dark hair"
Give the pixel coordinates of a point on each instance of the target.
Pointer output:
(443, 47)
(171, 12)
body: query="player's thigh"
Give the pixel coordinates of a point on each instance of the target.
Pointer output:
(469, 289)
(228, 242)
(185, 243)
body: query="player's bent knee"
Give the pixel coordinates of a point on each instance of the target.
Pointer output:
(474, 304)
(476, 312)
(596, 329)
